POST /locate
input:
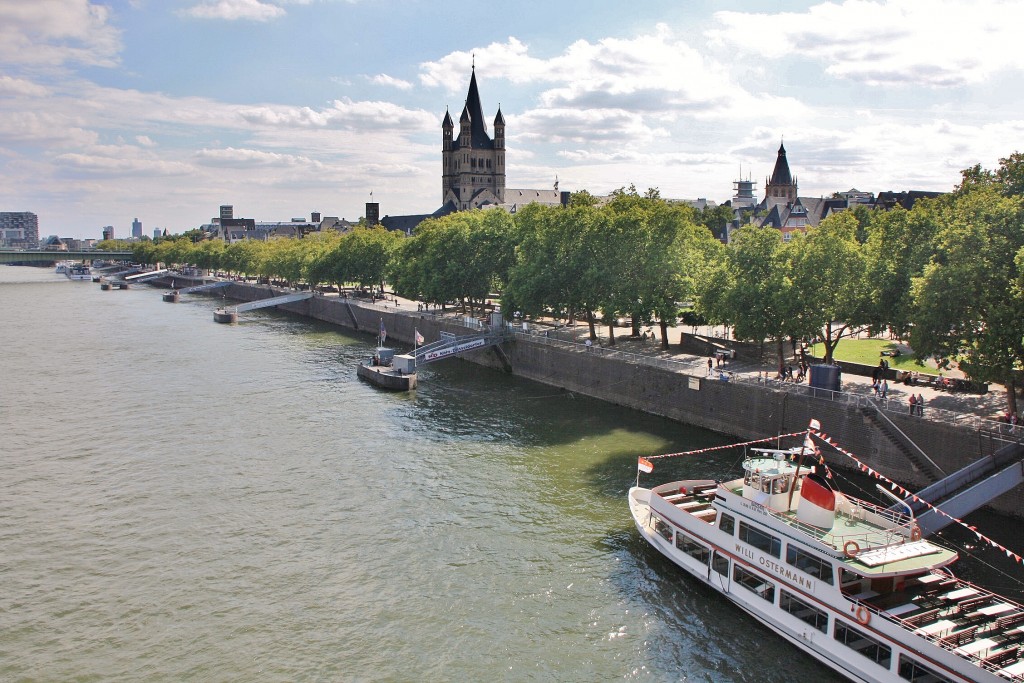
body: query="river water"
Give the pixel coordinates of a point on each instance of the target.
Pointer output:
(182, 500)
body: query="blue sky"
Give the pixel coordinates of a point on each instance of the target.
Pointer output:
(164, 110)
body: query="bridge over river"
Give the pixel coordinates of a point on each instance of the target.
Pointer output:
(43, 256)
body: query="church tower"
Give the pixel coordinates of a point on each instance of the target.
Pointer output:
(472, 164)
(782, 184)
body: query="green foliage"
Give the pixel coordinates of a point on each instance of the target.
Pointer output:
(968, 303)
(750, 287)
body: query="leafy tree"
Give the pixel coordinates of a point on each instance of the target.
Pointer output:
(969, 307)
(898, 246)
(562, 264)
(751, 288)
(829, 288)
(369, 251)
(715, 218)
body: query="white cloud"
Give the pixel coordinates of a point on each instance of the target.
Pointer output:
(384, 79)
(19, 87)
(939, 43)
(233, 10)
(232, 157)
(120, 166)
(344, 114)
(144, 141)
(55, 32)
(33, 128)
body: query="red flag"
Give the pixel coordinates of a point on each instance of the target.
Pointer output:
(645, 465)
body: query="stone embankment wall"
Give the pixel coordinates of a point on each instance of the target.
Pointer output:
(747, 411)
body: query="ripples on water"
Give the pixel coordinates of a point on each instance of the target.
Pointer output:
(187, 500)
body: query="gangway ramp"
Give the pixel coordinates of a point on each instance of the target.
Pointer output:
(453, 346)
(205, 288)
(147, 275)
(970, 488)
(230, 314)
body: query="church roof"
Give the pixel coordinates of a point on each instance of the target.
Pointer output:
(480, 138)
(781, 174)
(499, 120)
(447, 123)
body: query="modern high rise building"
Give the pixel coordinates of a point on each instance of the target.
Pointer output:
(19, 229)
(227, 212)
(108, 232)
(136, 228)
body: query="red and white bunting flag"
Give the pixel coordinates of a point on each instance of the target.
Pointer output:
(645, 465)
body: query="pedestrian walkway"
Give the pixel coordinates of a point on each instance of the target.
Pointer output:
(938, 405)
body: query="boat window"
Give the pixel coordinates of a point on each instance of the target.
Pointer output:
(780, 485)
(721, 564)
(760, 540)
(754, 583)
(663, 529)
(912, 670)
(693, 548)
(727, 523)
(863, 643)
(809, 564)
(801, 610)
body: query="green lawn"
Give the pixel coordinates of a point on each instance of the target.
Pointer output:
(868, 352)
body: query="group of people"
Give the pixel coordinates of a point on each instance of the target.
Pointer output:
(917, 405)
(881, 388)
(786, 373)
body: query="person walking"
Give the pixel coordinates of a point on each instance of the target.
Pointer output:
(884, 390)
(920, 405)
(913, 404)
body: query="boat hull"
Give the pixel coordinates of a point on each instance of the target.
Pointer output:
(819, 644)
(387, 377)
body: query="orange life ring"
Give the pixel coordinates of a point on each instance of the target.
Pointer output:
(915, 533)
(862, 615)
(850, 548)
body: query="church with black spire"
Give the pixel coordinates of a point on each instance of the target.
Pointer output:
(472, 169)
(473, 163)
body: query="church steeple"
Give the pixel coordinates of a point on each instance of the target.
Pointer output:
(476, 114)
(782, 183)
(473, 165)
(781, 174)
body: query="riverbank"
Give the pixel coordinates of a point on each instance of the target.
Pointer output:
(684, 391)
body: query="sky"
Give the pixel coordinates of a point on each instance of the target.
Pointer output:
(165, 109)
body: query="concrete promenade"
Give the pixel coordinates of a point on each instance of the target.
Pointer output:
(945, 406)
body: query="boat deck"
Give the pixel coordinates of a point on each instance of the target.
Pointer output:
(977, 625)
(868, 548)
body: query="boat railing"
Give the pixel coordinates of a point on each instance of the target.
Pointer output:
(865, 540)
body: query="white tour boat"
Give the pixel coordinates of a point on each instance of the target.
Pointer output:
(851, 583)
(78, 271)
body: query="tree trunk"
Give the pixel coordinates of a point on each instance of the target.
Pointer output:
(664, 334)
(635, 326)
(591, 325)
(781, 351)
(1011, 396)
(611, 333)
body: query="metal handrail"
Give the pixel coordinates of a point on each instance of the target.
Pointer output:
(696, 368)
